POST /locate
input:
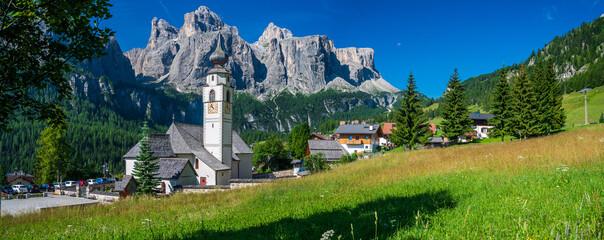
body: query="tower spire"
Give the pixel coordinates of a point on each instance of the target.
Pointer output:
(219, 57)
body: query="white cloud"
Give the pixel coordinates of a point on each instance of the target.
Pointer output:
(550, 12)
(398, 44)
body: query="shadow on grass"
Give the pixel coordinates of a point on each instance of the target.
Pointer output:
(393, 213)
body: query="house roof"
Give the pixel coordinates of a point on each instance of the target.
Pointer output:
(331, 149)
(319, 136)
(13, 177)
(121, 185)
(296, 161)
(358, 129)
(436, 139)
(388, 128)
(480, 116)
(171, 168)
(160, 146)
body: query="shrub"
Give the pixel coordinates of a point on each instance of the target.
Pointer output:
(315, 162)
(346, 158)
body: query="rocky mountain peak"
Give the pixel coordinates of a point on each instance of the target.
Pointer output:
(274, 32)
(161, 31)
(200, 21)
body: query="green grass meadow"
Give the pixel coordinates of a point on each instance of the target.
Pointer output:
(540, 188)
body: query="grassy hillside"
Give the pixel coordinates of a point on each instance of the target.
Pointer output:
(574, 105)
(539, 188)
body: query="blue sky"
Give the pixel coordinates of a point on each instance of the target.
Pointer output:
(430, 38)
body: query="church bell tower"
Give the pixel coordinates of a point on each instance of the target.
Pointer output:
(217, 109)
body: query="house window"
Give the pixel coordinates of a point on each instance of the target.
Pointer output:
(196, 163)
(228, 96)
(350, 138)
(366, 137)
(366, 147)
(357, 137)
(212, 95)
(485, 130)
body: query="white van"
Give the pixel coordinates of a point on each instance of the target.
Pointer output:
(70, 184)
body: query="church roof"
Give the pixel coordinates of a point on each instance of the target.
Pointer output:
(160, 146)
(171, 168)
(239, 146)
(183, 138)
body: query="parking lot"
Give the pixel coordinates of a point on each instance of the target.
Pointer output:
(19, 206)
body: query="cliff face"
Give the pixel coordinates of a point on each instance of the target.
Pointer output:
(277, 61)
(166, 76)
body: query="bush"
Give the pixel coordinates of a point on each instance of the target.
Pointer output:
(346, 158)
(315, 162)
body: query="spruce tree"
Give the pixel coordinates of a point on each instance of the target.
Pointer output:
(601, 118)
(410, 121)
(555, 99)
(145, 167)
(543, 110)
(455, 109)
(524, 118)
(502, 107)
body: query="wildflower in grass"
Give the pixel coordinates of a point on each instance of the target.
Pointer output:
(327, 235)
(602, 140)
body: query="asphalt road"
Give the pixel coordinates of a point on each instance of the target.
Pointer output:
(20, 206)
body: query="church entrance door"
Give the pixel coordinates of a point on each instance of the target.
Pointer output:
(202, 181)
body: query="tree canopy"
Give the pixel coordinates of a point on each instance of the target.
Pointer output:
(297, 140)
(39, 42)
(145, 167)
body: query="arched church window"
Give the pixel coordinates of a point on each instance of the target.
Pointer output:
(212, 95)
(228, 96)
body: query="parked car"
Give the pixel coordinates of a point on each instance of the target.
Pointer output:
(8, 190)
(47, 187)
(70, 184)
(110, 180)
(81, 183)
(20, 188)
(56, 185)
(91, 181)
(101, 180)
(33, 188)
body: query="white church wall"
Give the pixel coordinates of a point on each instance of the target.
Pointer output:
(207, 172)
(129, 165)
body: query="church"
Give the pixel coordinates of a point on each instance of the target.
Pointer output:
(211, 154)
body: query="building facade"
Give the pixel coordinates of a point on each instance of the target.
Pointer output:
(215, 152)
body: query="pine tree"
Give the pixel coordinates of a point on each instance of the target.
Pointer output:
(543, 111)
(145, 167)
(601, 118)
(52, 153)
(502, 107)
(555, 99)
(524, 106)
(410, 121)
(455, 109)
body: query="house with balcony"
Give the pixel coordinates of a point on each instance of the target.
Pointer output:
(481, 127)
(359, 138)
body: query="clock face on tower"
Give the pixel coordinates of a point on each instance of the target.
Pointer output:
(227, 108)
(212, 107)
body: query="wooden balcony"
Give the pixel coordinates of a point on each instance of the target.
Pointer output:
(354, 142)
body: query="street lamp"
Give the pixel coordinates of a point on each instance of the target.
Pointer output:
(584, 91)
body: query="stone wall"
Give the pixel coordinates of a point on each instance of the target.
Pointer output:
(242, 183)
(277, 174)
(202, 189)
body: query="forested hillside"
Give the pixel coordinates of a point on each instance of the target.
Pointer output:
(577, 56)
